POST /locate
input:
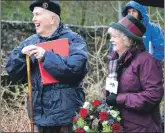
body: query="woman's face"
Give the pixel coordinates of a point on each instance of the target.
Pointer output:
(118, 43)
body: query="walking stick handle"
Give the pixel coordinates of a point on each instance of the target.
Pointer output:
(30, 92)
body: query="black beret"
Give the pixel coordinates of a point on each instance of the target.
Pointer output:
(51, 5)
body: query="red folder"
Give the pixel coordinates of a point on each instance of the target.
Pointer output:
(60, 47)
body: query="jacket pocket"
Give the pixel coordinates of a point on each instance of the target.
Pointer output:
(50, 100)
(139, 118)
(71, 98)
(154, 128)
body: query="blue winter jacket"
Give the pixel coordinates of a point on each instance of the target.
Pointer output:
(53, 104)
(153, 32)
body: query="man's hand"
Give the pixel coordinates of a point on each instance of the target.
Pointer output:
(26, 50)
(36, 51)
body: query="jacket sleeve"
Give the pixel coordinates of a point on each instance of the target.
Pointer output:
(151, 81)
(16, 64)
(157, 40)
(71, 69)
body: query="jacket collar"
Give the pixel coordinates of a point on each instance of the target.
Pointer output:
(62, 29)
(128, 55)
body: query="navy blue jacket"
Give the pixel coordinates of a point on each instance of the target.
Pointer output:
(53, 104)
(153, 34)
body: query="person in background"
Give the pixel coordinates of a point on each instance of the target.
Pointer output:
(139, 77)
(54, 105)
(154, 37)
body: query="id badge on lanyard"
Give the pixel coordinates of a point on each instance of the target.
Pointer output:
(111, 85)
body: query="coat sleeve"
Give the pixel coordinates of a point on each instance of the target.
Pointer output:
(71, 69)
(16, 64)
(157, 40)
(151, 77)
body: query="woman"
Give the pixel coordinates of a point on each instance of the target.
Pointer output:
(139, 76)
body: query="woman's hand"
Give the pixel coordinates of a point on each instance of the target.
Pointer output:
(111, 99)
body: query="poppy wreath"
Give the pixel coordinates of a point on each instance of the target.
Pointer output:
(97, 116)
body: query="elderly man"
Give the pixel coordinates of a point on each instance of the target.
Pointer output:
(54, 105)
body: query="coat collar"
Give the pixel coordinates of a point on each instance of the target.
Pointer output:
(128, 55)
(62, 29)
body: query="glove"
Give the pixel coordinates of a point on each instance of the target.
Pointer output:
(106, 93)
(111, 99)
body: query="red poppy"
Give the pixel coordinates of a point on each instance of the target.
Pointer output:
(103, 116)
(79, 130)
(83, 112)
(74, 119)
(116, 127)
(96, 103)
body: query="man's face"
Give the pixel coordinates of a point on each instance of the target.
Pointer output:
(42, 19)
(133, 12)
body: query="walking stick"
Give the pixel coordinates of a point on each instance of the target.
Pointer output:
(30, 92)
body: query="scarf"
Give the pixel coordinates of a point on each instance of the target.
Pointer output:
(118, 65)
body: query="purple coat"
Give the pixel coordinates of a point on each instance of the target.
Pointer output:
(139, 94)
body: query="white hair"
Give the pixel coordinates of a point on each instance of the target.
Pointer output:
(54, 14)
(127, 41)
(57, 19)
